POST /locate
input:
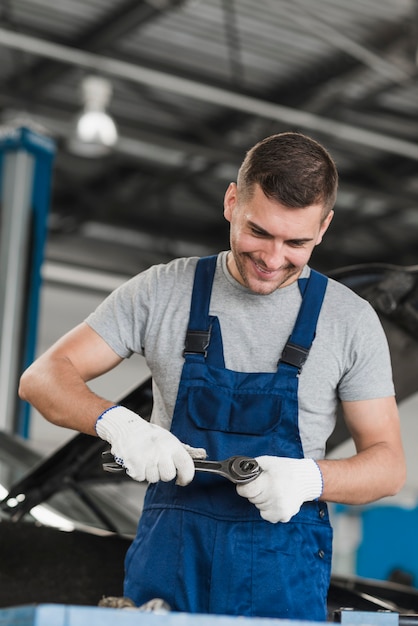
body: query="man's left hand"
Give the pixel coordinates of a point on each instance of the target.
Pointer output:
(283, 486)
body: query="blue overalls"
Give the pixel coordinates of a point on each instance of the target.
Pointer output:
(203, 548)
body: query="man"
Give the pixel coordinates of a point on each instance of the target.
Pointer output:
(253, 363)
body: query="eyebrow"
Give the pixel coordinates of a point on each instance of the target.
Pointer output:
(259, 228)
(267, 234)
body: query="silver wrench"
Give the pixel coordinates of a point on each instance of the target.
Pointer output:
(237, 469)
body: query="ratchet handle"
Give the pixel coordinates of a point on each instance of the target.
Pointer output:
(237, 469)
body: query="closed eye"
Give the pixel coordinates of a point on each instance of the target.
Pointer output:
(257, 231)
(298, 243)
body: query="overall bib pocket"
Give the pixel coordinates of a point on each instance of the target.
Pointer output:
(235, 412)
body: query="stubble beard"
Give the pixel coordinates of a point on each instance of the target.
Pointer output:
(260, 286)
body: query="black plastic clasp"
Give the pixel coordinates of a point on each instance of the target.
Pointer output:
(197, 342)
(294, 355)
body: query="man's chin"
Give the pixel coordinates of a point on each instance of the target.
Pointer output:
(263, 288)
(266, 287)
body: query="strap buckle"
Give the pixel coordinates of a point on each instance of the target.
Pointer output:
(197, 342)
(294, 355)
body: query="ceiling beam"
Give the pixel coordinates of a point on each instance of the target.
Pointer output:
(207, 93)
(307, 17)
(139, 140)
(131, 16)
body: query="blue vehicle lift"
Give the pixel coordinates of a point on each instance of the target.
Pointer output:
(26, 160)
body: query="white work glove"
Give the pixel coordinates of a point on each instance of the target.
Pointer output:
(283, 486)
(147, 451)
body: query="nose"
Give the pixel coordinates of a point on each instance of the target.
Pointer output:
(273, 255)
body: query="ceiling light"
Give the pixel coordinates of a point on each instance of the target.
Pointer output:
(95, 129)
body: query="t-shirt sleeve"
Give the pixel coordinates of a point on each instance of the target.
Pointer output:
(133, 319)
(120, 318)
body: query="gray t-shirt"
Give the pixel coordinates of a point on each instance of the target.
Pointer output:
(349, 358)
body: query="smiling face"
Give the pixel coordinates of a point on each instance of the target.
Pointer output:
(270, 243)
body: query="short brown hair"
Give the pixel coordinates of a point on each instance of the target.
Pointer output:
(292, 168)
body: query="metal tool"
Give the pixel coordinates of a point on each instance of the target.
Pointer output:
(237, 469)
(109, 464)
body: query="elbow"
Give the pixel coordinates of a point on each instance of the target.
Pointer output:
(22, 389)
(401, 482)
(398, 479)
(25, 385)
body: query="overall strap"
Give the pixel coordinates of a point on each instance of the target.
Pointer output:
(297, 348)
(200, 323)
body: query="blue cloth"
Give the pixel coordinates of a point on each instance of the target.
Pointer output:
(203, 548)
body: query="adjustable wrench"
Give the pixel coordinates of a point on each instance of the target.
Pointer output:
(237, 469)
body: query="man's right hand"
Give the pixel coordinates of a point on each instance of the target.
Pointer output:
(147, 451)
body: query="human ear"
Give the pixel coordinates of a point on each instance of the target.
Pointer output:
(230, 201)
(324, 227)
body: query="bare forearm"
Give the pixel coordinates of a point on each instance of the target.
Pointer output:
(372, 474)
(57, 391)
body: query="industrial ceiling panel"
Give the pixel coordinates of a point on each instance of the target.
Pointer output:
(193, 84)
(59, 19)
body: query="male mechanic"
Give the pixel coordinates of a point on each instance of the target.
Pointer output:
(282, 344)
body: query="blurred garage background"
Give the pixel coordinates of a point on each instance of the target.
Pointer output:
(189, 86)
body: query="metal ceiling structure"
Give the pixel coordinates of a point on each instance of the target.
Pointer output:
(195, 84)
